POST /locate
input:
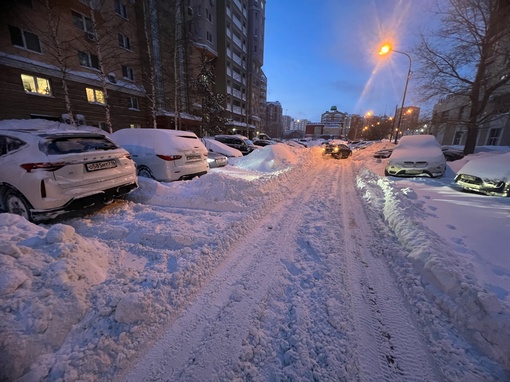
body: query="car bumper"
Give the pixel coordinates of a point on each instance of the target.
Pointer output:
(89, 201)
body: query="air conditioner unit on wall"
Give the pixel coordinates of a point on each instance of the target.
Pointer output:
(91, 36)
(111, 78)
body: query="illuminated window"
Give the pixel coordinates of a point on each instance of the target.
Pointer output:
(95, 96)
(36, 85)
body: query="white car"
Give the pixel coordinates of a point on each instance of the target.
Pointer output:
(417, 155)
(164, 155)
(490, 176)
(46, 173)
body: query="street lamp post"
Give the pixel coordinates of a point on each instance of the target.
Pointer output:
(385, 49)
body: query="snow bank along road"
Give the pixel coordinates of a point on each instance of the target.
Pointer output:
(306, 294)
(240, 275)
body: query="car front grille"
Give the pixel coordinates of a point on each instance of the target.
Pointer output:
(409, 164)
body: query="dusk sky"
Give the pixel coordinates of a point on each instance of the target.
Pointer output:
(320, 53)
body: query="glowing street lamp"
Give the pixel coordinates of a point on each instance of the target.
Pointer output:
(385, 49)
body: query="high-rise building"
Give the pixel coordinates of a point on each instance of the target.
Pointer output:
(274, 126)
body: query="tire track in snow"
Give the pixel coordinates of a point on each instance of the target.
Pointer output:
(206, 339)
(390, 344)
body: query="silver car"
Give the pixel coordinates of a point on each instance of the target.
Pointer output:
(46, 173)
(416, 155)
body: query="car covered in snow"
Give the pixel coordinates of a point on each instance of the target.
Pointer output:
(47, 173)
(216, 159)
(164, 155)
(490, 175)
(416, 155)
(216, 146)
(239, 142)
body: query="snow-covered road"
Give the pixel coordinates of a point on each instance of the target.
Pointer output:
(284, 266)
(304, 295)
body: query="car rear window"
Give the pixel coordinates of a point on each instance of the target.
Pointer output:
(69, 145)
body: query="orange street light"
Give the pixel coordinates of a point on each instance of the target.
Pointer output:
(385, 49)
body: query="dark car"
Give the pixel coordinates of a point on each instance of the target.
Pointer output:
(336, 150)
(384, 153)
(452, 154)
(263, 142)
(238, 142)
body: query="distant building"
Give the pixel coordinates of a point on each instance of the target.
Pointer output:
(287, 122)
(300, 124)
(334, 122)
(274, 123)
(410, 120)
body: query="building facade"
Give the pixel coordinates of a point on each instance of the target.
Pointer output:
(274, 124)
(85, 68)
(134, 63)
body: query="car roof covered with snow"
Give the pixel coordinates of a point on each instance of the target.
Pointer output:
(492, 167)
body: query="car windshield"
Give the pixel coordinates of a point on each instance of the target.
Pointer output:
(68, 145)
(249, 142)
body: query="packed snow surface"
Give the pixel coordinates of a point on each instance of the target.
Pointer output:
(283, 265)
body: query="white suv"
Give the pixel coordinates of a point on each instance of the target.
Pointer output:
(45, 173)
(163, 154)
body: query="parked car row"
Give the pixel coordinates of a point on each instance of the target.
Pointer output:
(50, 172)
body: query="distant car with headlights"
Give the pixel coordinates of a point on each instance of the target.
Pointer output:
(336, 149)
(47, 173)
(163, 154)
(490, 175)
(416, 155)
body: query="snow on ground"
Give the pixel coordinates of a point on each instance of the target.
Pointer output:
(81, 297)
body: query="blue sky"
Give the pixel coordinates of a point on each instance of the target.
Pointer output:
(320, 53)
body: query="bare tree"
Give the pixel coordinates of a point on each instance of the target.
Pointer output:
(464, 56)
(212, 103)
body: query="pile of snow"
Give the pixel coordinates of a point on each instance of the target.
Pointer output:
(76, 307)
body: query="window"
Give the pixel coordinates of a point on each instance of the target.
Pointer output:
(124, 41)
(133, 103)
(82, 22)
(494, 135)
(88, 60)
(209, 37)
(121, 9)
(95, 96)
(25, 39)
(208, 14)
(36, 85)
(128, 72)
(134, 125)
(457, 138)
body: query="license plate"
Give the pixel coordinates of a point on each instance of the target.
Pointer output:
(413, 172)
(193, 157)
(95, 166)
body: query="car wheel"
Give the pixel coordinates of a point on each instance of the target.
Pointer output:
(145, 172)
(15, 203)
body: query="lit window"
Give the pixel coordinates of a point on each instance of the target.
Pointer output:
(95, 96)
(121, 9)
(128, 72)
(88, 60)
(36, 85)
(82, 22)
(25, 39)
(134, 125)
(133, 103)
(124, 41)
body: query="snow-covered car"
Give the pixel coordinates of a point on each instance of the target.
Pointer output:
(239, 142)
(216, 146)
(490, 176)
(451, 154)
(383, 153)
(46, 173)
(416, 155)
(216, 159)
(164, 155)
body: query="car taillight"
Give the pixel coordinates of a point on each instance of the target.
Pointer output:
(43, 166)
(169, 157)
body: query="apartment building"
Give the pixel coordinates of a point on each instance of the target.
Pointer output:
(72, 62)
(239, 74)
(130, 63)
(274, 114)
